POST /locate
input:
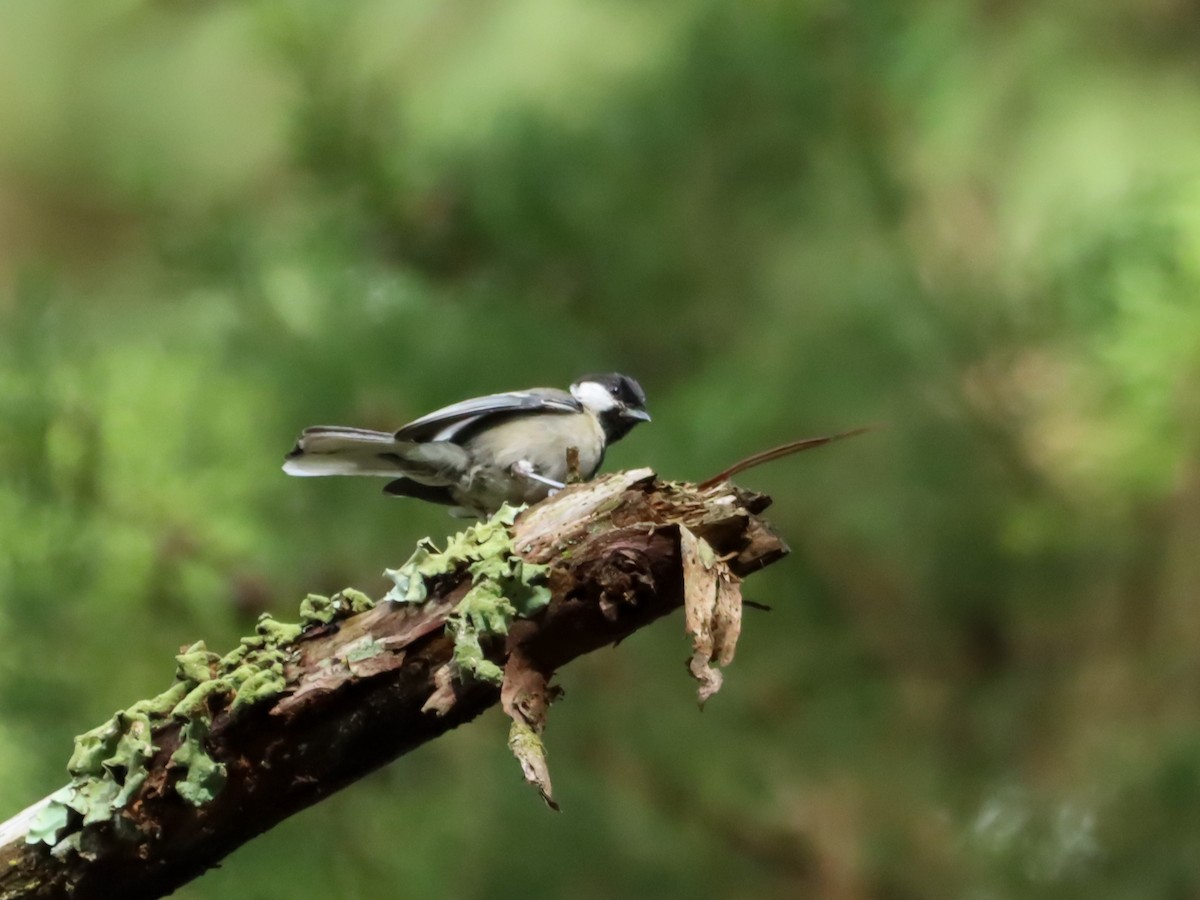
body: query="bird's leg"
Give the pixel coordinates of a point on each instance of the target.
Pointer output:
(524, 468)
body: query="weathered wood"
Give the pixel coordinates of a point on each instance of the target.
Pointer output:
(613, 547)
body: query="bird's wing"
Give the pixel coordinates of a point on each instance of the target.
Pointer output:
(443, 424)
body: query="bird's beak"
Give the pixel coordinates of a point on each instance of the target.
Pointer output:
(638, 415)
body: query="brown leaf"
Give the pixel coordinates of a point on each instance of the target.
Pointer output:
(727, 617)
(712, 609)
(526, 696)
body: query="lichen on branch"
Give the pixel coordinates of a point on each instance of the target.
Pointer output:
(238, 742)
(111, 762)
(503, 587)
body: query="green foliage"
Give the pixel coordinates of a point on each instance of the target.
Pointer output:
(973, 223)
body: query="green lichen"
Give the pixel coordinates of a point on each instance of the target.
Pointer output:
(270, 632)
(129, 764)
(110, 763)
(349, 602)
(524, 742)
(426, 563)
(93, 747)
(196, 663)
(316, 609)
(366, 650)
(52, 819)
(204, 777)
(197, 701)
(504, 586)
(259, 686)
(159, 708)
(234, 658)
(107, 767)
(483, 612)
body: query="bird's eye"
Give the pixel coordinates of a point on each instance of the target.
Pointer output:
(615, 391)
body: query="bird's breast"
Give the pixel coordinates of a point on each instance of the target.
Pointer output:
(543, 441)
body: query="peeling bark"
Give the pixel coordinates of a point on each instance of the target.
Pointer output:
(526, 696)
(366, 689)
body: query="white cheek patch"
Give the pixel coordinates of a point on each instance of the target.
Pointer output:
(595, 397)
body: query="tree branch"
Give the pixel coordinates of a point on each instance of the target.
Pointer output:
(358, 691)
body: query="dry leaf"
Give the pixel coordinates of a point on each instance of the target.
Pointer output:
(713, 611)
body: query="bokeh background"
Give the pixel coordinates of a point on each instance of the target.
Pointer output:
(975, 222)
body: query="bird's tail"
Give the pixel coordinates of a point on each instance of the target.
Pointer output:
(332, 450)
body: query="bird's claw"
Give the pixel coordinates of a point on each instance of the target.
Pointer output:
(525, 468)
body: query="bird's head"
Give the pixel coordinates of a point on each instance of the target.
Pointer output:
(617, 400)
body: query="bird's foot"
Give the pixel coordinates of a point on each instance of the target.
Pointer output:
(525, 469)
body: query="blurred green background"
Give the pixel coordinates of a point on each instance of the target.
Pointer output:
(975, 222)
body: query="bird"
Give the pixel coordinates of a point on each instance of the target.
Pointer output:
(476, 455)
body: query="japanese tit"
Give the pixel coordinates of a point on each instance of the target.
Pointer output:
(476, 455)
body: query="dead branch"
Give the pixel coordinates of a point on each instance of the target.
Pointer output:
(359, 690)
